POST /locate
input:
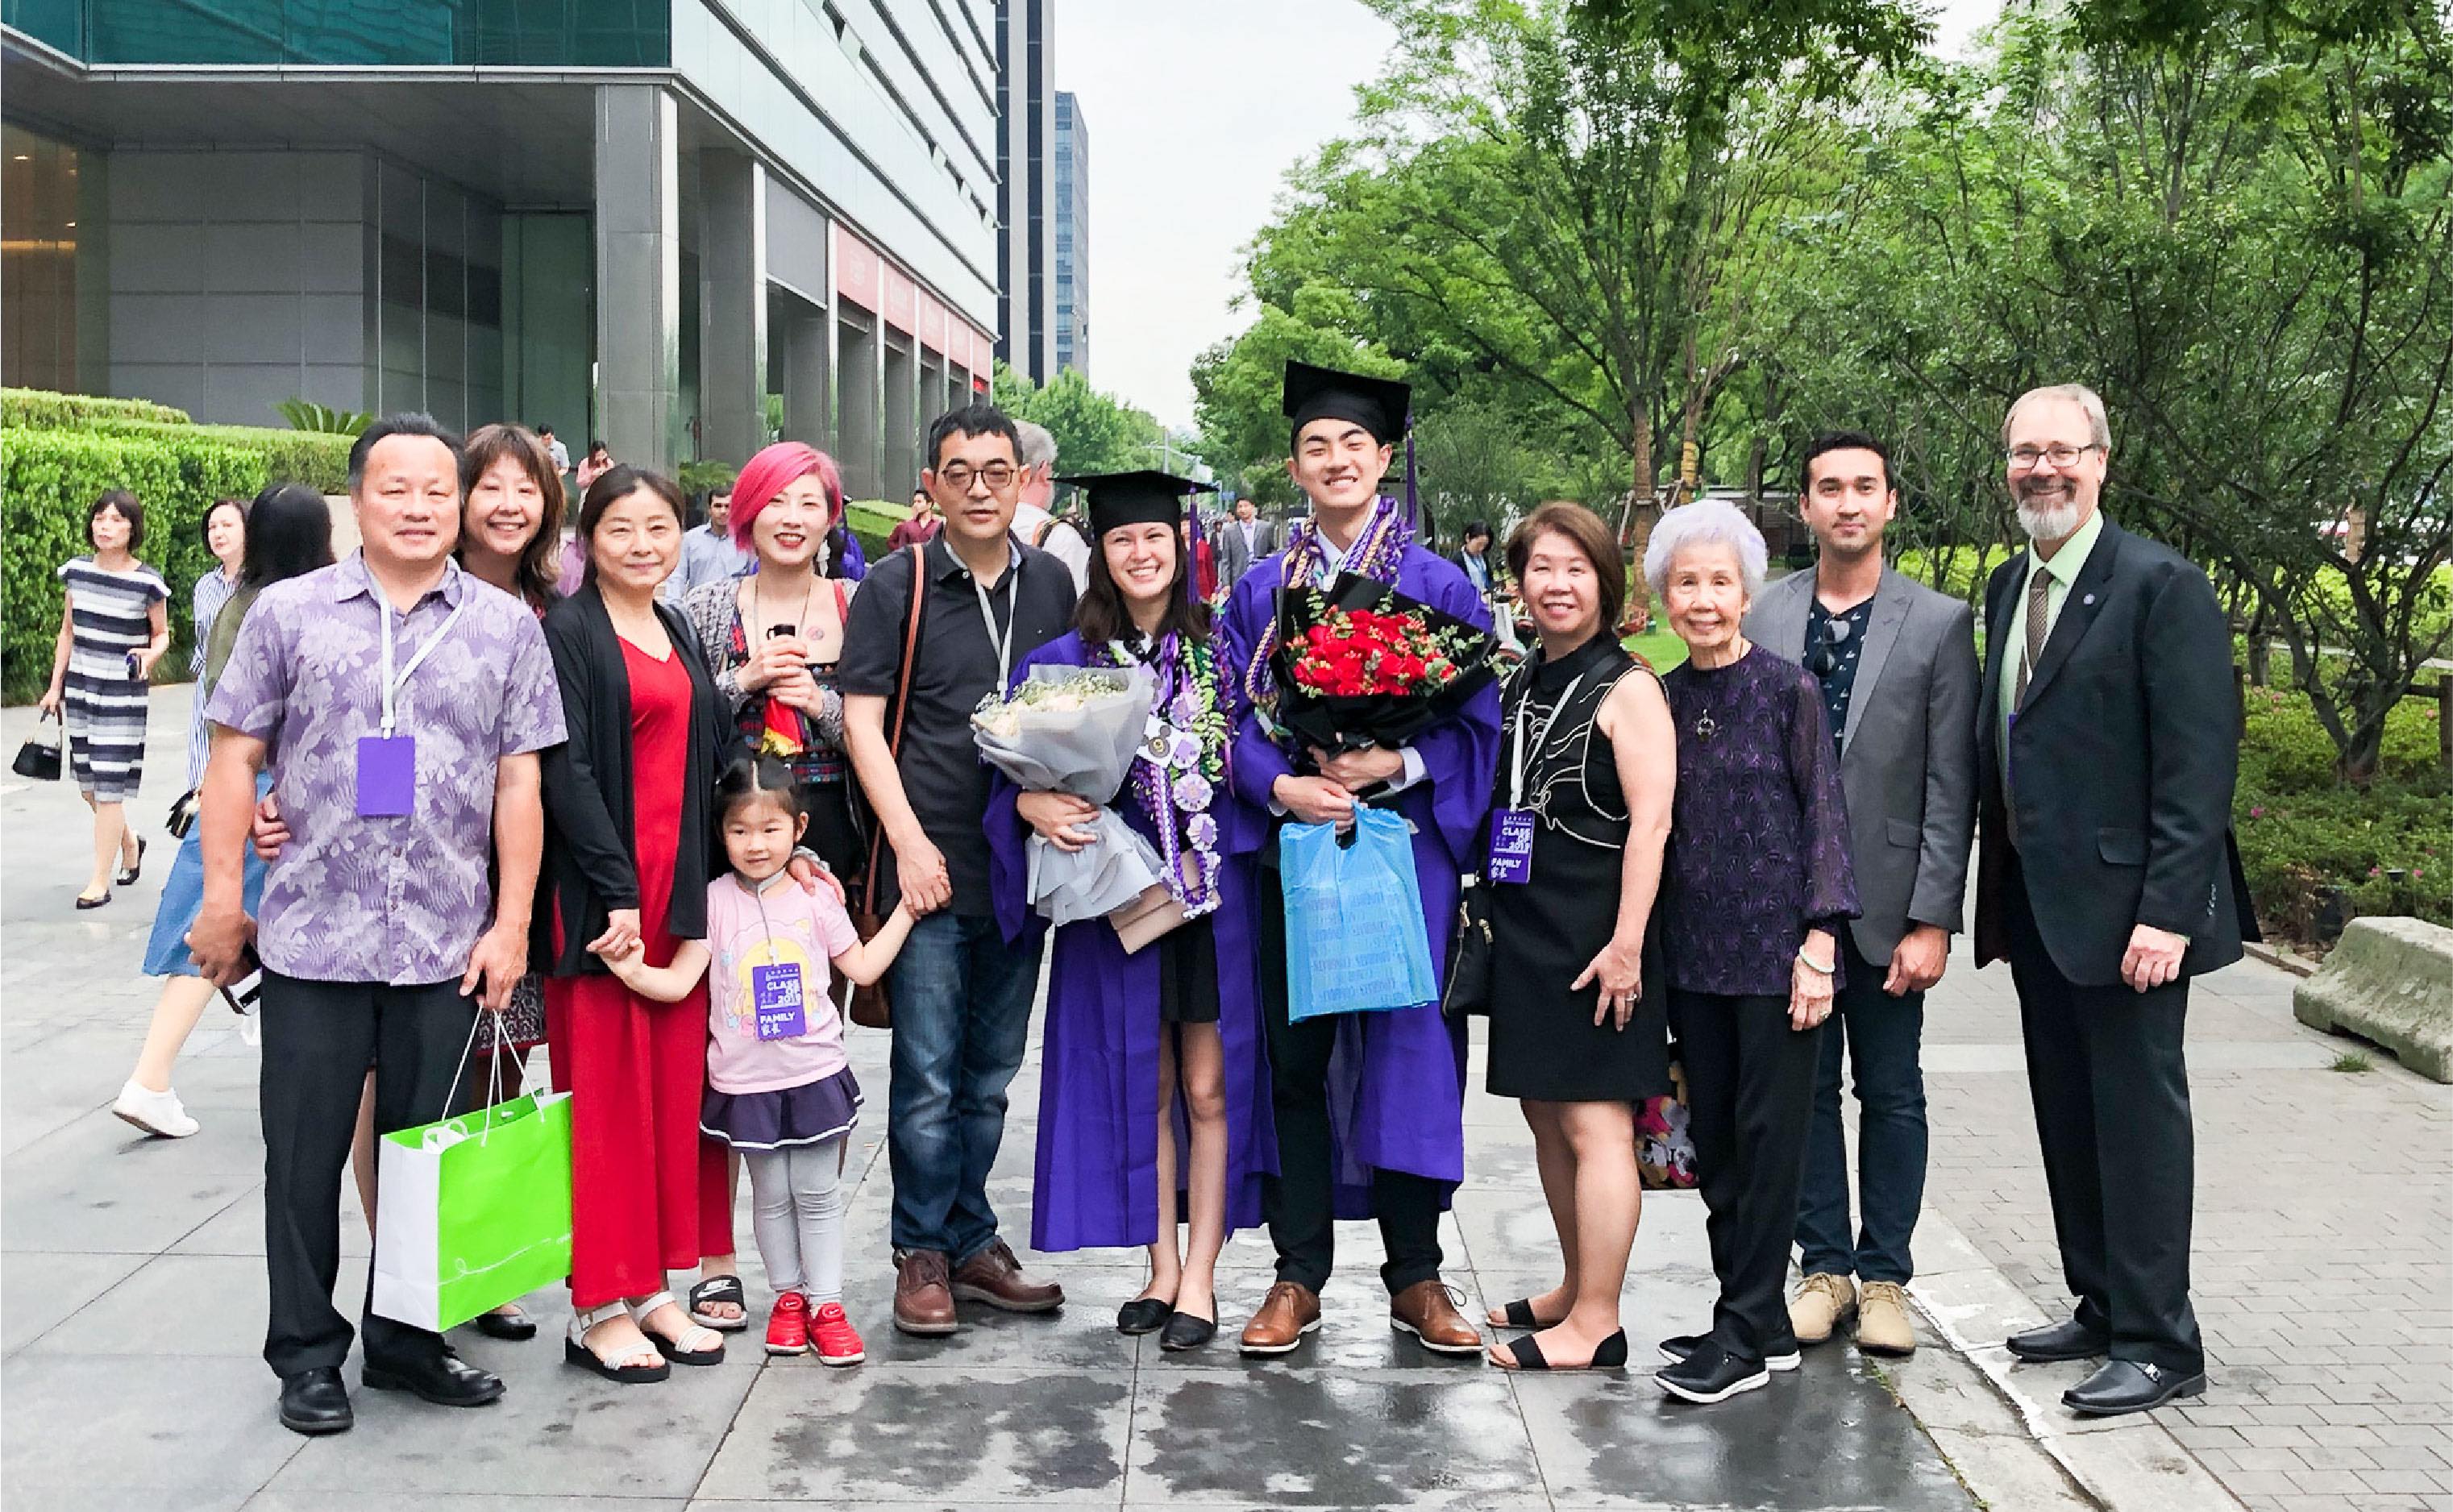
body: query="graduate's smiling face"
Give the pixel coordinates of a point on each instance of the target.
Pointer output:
(1142, 559)
(1338, 463)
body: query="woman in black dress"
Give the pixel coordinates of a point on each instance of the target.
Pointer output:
(1586, 770)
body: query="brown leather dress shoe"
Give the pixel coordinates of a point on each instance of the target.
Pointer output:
(1425, 1310)
(993, 1276)
(923, 1304)
(1290, 1311)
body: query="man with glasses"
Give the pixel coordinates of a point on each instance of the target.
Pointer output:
(2108, 745)
(1897, 661)
(961, 995)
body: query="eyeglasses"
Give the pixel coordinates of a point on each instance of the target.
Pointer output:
(2024, 459)
(958, 476)
(1825, 659)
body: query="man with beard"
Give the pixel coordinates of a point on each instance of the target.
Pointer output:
(2108, 745)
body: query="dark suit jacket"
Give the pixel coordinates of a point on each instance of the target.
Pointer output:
(1234, 560)
(2123, 762)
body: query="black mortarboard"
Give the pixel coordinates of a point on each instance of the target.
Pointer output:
(1377, 404)
(1144, 496)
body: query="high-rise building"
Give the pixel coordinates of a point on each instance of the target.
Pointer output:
(1026, 207)
(1073, 235)
(634, 222)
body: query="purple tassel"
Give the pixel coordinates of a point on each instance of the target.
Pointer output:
(1413, 504)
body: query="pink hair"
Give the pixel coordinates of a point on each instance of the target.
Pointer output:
(767, 475)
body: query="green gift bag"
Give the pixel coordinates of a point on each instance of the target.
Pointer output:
(473, 1212)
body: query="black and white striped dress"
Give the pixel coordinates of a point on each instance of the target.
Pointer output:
(109, 615)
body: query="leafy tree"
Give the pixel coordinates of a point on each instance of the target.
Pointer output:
(1095, 431)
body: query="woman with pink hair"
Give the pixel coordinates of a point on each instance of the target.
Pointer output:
(773, 636)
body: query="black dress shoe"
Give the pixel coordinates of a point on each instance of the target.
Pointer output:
(444, 1379)
(1143, 1315)
(314, 1401)
(1782, 1356)
(1184, 1331)
(2069, 1339)
(2126, 1385)
(517, 1327)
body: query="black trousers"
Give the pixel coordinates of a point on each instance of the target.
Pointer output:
(318, 1038)
(2108, 1073)
(1300, 1201)
(1750, 1098)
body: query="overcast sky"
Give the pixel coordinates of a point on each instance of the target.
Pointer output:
(1195, 111)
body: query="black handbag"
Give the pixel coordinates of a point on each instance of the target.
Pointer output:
(1471, 963)
(183, 815)
(36, 760)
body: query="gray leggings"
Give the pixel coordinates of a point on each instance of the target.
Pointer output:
(796, 1203)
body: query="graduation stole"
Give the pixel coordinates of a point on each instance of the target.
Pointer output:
(1377, 553)
(1182, 767)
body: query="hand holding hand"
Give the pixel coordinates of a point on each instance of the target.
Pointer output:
(1061, 819)
(2153, 957)
(620, 937)
(921, 869)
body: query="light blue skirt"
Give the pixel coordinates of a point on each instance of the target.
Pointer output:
(183, 898)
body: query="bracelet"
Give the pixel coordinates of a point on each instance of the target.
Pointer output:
(1814, 966)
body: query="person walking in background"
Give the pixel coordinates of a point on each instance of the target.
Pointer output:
(920, 527)
(224, 528)
(632, 847)
(779, 1086)
(289, 535)
(1897, 664)
(2106, 751)
(1155, 1093)
(113, 629)
(1242, 541)
(961, 995)
(1473, 555)
(842, 558)
(598, 461)
(1205, 560)
(400, 705)
(1756, 889)
(1059, 535)
(1579, 1031)
(554, 449)
(708, 551)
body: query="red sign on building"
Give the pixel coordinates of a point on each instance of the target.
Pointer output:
(901, 299)
(857, 266)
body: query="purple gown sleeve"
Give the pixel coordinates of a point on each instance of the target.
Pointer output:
(1823, 809)
(1009, 836)
(1460, 755)
(1254, 761)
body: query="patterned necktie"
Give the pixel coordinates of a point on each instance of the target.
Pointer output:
(2038, 604)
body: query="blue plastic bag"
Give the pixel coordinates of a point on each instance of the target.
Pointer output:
(1355, 940)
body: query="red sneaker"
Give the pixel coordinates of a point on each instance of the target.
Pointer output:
(838, 1342)
(788, 1326)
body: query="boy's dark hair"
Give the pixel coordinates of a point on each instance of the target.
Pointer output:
(130, 510)
(751, 777)
(1844, 441)
(406, 423)
(972, 420)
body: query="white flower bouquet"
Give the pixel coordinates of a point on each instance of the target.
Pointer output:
(1076, 730)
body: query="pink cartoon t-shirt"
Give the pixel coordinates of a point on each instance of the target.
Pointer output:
(770, 1025)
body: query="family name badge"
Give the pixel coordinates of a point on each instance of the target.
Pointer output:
(1511, 845)
(775, 993)
(387, 776)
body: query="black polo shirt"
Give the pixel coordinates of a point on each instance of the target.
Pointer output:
(941, 773)
(1833, 643)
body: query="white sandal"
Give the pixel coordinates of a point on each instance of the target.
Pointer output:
(672, 1348)
(638, 1372)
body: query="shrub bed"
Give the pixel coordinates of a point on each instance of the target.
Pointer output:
(44, 410)
(2302, 834)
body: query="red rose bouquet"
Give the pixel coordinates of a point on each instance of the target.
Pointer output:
(1363, 665)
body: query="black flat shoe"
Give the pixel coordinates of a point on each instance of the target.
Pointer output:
(83, 901)
(2068, 1340)
(315, 1402)
(1184, 1331)
(128, 875)
(2127, 1385)
(1712, 1374)
(1678, 1347)
(1610, 1353)
(1143, 1315)
(518, 1327)
(444, 1379)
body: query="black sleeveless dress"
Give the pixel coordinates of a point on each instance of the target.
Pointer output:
(1544, 1043)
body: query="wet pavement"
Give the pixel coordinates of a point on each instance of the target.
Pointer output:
(135, 1308)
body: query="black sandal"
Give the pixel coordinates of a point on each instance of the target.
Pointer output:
(719, 1288)
(575, 1350)
(672, 1348)
(1520, 1314)
(128, 875)
(1610, 1353)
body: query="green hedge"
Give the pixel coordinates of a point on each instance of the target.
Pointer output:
(317, 459)
(43, 410)
(2303, 835)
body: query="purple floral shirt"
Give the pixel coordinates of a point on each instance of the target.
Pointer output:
(394, 899)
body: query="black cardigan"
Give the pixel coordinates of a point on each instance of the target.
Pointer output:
(590, 855)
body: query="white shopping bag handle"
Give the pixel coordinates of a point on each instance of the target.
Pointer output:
(493, 1080)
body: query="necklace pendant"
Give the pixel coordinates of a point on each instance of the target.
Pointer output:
(1705, 727)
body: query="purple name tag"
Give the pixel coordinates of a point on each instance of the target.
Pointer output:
(387, 776)
(775, 994)
(1511, 845)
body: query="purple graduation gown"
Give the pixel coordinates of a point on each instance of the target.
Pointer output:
(1396, 1080)
(1095, 1182)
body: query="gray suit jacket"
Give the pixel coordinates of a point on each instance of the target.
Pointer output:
(1233, 560)
(1907, 757)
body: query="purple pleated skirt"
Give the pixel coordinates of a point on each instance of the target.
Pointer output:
(780, 1119)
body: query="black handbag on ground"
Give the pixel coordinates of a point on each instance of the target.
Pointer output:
(1471, 965)
(36, 760)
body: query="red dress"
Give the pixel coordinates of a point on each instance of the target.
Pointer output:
(647, 1194)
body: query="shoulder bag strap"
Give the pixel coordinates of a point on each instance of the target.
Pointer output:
(898, 710)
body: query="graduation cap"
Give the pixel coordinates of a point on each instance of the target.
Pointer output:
(1144, 496)
(1381, 405)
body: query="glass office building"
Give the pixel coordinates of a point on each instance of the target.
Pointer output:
(633, 219)
(1073, 235)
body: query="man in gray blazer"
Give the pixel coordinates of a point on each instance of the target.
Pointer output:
(1240, 542)
(1897, 661)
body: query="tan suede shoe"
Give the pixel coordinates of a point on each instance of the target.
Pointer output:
(1291, 1311)
(1822, 1306)
(1885, 1325)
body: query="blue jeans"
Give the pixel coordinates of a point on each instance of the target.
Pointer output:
(961, 1016)
(1881, 1033)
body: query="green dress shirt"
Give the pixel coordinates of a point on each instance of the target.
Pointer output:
(2062, 569)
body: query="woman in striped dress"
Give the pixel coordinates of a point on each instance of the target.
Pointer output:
(113, 629)
(225, 533)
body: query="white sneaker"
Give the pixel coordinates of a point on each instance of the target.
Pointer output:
(154, 1113)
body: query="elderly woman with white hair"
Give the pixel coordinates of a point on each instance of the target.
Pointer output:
(1756, 886)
